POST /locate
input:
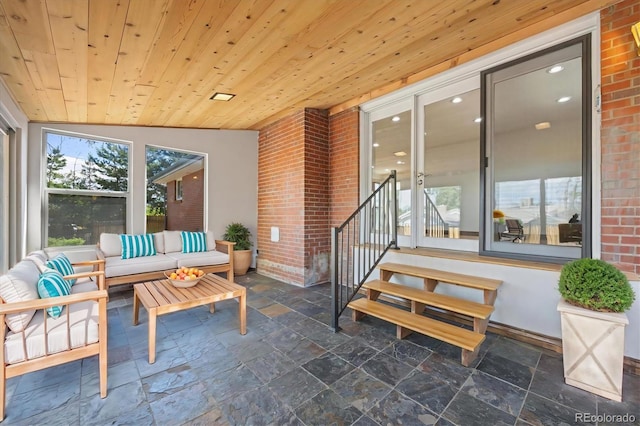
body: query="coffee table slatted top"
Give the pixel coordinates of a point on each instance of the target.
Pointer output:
(164, 297)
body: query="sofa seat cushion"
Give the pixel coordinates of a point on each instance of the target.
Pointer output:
(84, 285)
(205, 258)
(116, 266)
(83, 320)
(19, 284)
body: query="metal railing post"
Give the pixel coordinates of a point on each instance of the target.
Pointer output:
(334, 281)
(394, 212)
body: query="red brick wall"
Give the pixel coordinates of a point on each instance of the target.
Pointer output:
(306, 162)
(344, 160)
(281, 199)
(620, 137)
(186, 214)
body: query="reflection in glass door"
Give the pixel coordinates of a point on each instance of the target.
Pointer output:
(449, 140)
(391, 150)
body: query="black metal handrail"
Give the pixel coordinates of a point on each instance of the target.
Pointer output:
(360, 242)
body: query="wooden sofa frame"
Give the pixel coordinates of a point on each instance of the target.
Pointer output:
(99, 348)
(221, 245)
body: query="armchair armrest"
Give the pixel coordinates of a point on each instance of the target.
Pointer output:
(98, 264)
(100, 254)
(224, 246)
(17, 307)
(99, 280)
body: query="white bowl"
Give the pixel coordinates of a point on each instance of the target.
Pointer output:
(183, 283)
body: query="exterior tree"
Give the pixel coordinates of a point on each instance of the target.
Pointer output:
(107, 169)
(55, 164)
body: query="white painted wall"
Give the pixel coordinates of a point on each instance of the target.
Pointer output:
(232, 172)
(527, 299)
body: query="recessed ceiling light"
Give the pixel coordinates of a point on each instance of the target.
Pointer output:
(400, 162)
(456, 100)
(564, 99)
(400, 153)
(395, 119)
(375, 145)
(477, 120)
(218, 96)
(554, 69)
(542, 125)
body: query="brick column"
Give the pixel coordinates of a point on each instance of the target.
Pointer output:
(293, 196)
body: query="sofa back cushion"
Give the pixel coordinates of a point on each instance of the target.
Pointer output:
(158, 239)
(172, 241)
(18, 285)
(211, 241)
(110, 244)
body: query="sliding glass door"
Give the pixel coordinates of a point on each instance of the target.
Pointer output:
(447, 178)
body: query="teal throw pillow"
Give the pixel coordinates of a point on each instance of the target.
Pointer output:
(137, 245)
(52, 284)
(62, 264)
(193, 242)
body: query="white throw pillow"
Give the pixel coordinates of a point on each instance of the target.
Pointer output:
(19, 285)
(172, 241)
(211, 241)
(110, 244)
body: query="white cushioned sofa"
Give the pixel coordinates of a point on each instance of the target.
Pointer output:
(218, 257)
(32, 339)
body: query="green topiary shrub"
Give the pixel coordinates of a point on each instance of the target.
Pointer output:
(595, 284)
(239, 234)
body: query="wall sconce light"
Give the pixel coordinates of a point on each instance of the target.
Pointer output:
(635, 30)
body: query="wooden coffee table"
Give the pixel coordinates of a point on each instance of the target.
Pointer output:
(160, 297)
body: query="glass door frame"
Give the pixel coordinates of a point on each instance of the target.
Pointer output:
(438, 94)
(366, 158)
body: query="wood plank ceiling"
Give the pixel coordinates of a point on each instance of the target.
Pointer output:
(157, 62)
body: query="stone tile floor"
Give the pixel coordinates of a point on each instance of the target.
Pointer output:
(291, 369)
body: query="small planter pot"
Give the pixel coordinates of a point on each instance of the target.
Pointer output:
(593, 349)
(241, 261)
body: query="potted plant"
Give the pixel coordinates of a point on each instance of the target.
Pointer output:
(595, 295)
(239, 234)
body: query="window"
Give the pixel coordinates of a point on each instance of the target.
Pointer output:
(536, 144)
(480, 141)
(179, 189)
(87, 188)
(170, 175)
(450, 138)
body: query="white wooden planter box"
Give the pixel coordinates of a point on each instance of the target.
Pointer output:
(593, 349)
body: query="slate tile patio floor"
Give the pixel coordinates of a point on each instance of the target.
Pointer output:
(291, 369)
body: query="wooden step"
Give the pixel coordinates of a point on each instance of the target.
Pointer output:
(480, 283)
(458, 336)
(442, 301)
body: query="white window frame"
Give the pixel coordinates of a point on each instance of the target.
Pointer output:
(178, 189)
(46, 191)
